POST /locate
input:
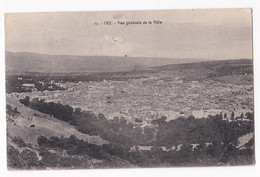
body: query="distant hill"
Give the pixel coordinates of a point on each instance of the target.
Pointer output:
(210, 69)
(32, 62)
(207, 64)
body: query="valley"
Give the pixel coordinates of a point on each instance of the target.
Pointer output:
(152, 113)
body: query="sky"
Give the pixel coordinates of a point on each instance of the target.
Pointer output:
(207, 34)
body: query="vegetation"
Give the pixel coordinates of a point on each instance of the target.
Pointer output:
(200, 131)
(57, 110)
(14, 83)
(87, 122)
(11, 111)
(216, 139)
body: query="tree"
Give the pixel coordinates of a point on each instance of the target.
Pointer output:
(77, 111)
(41, 140)
(249, 115)
(25, 101)
(101, 116)
(221, 115)
(71, 141)
(225, 115)
(232, 115)
(160, 120)
(191, 117)
(9, 109)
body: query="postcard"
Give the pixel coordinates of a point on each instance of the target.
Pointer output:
(129, 89)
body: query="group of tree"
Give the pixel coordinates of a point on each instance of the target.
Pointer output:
(11, 111)
(57, 110)
(204, 130)
(15, 83)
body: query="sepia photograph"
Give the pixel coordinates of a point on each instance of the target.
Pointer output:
(129, 89)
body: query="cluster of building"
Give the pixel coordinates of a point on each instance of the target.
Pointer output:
(150, 98)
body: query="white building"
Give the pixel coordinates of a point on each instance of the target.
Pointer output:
(29, 85)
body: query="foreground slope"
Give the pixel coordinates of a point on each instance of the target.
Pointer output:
(24, 151)
(30, 124)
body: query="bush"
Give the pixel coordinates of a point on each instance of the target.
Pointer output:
(41, 140)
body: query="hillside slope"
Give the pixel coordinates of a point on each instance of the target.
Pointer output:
(30, 124)
(24, 151)
(211, 69)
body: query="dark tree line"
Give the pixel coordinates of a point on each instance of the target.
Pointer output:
(57, 110)
(206, 130)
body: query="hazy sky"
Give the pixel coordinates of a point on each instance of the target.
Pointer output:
(208, 34)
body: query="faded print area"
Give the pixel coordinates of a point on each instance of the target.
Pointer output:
(129, 89)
